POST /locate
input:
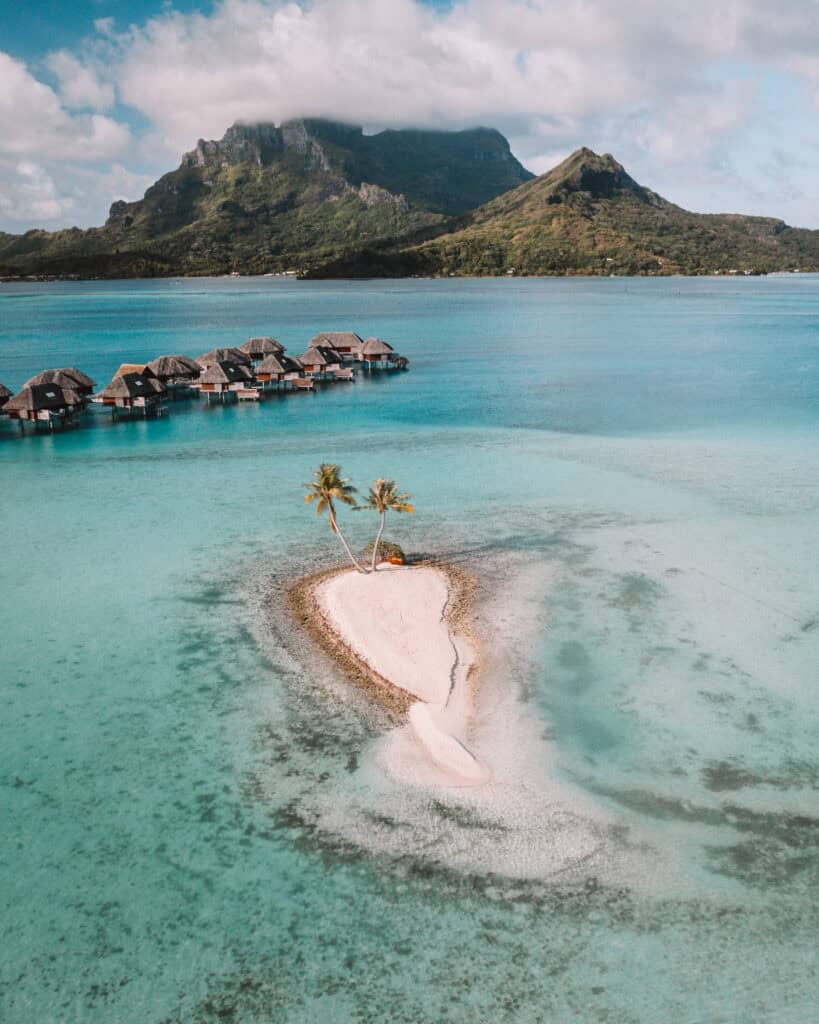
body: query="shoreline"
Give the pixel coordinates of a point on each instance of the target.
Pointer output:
(306, 609)
(587, 274)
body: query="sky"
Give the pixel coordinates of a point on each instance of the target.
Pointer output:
(711, 103)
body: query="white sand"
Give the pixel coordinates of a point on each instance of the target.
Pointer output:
(445, 749)
(395, 621)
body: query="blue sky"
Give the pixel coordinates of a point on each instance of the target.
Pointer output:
(29, 30)
(713, 104)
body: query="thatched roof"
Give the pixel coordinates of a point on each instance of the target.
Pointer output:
(336, 339)
(168, 367)
(225, 372)
(80, 377)
(271, 364)
(5, 394)
(63, 377)
(278, 364)
(258, 348)
(35, 397)
(376, 347)
(223, 355)
(139, 368)
(132, 385)
(320, 355)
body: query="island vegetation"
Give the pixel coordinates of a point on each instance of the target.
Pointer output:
(384, 497)
(329, 487)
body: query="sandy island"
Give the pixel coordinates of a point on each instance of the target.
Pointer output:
(403, 632)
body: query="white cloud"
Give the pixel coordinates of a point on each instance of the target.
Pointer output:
(671, 91)
(34, 122)
(40, 194)
(50, 157)
(559, 67)
(80, 85)
(29, 195)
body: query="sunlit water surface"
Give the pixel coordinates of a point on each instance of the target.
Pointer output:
(193, 826)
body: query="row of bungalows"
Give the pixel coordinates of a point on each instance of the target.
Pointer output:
(260, 364)
(371, 354)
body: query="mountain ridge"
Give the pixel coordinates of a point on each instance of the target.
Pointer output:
(589, 216)
(324, 199)
(266, 198)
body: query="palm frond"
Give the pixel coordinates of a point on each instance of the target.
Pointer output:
(383, 496)
(328, 485)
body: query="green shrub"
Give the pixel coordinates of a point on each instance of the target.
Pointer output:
(386, 549)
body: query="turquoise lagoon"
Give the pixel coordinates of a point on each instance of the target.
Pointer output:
(194, 826)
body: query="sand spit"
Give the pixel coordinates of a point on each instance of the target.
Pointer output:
(522, 818)
(394, 631)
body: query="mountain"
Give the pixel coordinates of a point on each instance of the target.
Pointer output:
(326, 200)
(267, 198)
(589, 216)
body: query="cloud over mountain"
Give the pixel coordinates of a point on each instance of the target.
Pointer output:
(693, 96)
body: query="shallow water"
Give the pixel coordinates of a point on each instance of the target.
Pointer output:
(196, 826)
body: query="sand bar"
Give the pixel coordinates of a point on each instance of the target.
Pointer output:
(396, 622)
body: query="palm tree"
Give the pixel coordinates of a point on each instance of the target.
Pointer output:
(326, 488)
(383, 496)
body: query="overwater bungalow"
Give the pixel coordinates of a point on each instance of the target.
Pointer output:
(65, 377)
(321, 363)
(223, 355)
(5, 395)
(224, 379)
(278, 370)
(173, 369)
(258, 348)
(44, 403)
(377, 354)
(176, 372)
(346, 343)
(133, 391)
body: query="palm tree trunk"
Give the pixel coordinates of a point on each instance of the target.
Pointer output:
(378, 540)
(337, 531)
